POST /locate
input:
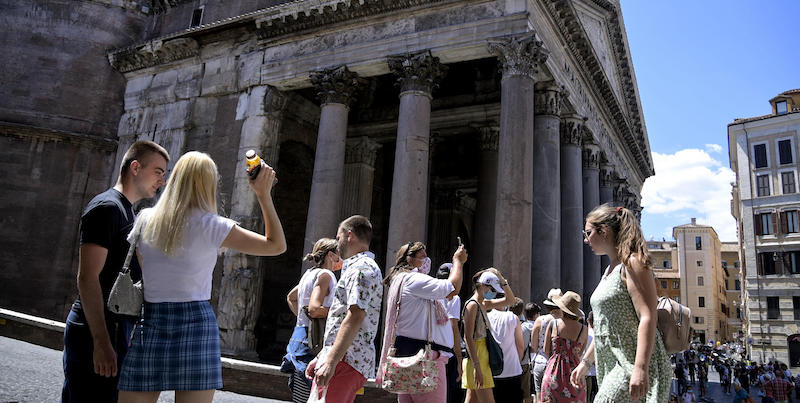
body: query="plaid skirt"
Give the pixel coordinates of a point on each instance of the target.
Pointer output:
(175, 346)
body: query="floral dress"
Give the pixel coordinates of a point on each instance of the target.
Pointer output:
(615, 333)
(556, 386)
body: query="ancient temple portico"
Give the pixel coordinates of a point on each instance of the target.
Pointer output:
(500, 122)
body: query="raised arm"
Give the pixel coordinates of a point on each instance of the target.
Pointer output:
(273, 242)
(456, 275)
(508, 300)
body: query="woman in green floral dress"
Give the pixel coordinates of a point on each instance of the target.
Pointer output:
(632, 364)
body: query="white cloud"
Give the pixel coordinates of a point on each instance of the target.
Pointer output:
(690, 183)
(714, 148)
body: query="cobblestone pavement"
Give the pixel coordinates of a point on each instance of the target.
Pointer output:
(31, 373)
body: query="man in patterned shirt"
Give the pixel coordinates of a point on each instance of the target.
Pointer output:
(347, 358)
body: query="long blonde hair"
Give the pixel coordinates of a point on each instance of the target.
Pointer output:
(628, 234)
(191, 186)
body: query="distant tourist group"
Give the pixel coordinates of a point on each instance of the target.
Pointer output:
(493, 347)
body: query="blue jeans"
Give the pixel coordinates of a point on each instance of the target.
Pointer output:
(81, 383)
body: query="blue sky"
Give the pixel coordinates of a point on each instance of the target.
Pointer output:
(699, 65)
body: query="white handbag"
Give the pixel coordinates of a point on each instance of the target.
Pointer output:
(126, 297)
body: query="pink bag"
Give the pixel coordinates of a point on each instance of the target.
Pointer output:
(415, 374)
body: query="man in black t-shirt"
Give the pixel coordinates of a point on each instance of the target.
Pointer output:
(96, 340)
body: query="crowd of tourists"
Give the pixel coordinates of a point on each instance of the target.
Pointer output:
(742, 380)
(493, 347)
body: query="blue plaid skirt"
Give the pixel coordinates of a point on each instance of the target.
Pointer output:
(175, 346)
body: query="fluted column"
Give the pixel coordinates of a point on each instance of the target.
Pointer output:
(591, 198)
(606, 195)
(359, 173)
(335, 88)
(572, 130)
(520, 58)
(241, 286)
(483, 243)
(417, 74)
(546, 245)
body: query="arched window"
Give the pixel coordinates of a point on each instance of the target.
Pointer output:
(794, 350)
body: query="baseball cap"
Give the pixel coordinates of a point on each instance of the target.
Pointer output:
(491, 280)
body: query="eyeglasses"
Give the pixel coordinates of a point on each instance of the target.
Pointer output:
(587, 234)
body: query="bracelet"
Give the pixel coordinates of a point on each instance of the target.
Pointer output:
(586, 361)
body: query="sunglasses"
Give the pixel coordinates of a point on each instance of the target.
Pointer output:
(587, 234)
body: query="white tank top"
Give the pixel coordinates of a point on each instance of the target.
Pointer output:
(304, 289)
(540, 357)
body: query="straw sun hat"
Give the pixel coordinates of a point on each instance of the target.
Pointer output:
(570, 303)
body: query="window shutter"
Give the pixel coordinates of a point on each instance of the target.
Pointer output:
(757, 224)
(760, 264)
(774, 217)
(784, 223)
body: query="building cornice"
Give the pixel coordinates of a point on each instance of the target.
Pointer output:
(56, 136)
(631, 127)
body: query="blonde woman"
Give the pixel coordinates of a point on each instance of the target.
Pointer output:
(175, 345)
(631, 363)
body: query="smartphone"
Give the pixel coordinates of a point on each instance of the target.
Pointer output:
(459, 241)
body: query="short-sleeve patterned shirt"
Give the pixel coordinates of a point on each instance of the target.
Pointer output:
(359, 285)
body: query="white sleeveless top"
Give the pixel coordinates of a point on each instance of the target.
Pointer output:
(540, 357)
(304, 289)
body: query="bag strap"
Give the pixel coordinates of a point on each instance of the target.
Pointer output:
(397, 308)
(137, 230)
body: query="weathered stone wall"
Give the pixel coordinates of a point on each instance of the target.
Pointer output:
(178, 18)
(56, 74)
(60, 104)
(47, 180)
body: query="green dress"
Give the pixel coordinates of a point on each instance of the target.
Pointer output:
(615, 331)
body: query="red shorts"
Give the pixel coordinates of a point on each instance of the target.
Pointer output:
(344, 384)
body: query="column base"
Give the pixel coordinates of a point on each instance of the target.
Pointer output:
(240, 343)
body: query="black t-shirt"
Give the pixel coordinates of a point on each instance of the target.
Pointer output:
(106, 221)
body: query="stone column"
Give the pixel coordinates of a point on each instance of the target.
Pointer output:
(241, 286)
(572, 130)
(359, 172)
(546, 245)
(336, 88)
(483, 242)
(418, 74)
(606, 195)
(520, 58)
(591, 199)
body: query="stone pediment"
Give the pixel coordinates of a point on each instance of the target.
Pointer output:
(622, 100)
(595, 24)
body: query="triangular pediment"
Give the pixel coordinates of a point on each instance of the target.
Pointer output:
(595, 24)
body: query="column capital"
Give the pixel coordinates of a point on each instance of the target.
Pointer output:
(419, 71)
(591, 155)
(361, 150)
(547, 99)
(519, 55)
(335, 86)
(489, 136)
(572, 129)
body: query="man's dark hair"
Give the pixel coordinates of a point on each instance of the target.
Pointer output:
(532, 309)
(444, 271)
(138, 151)
(517, 307)
(360, 226)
